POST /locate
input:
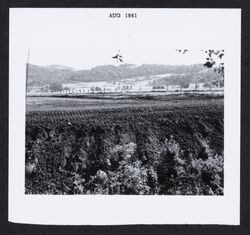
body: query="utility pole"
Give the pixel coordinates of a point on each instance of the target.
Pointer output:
(27, 71)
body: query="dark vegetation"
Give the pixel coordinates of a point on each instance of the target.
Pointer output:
(142, 149)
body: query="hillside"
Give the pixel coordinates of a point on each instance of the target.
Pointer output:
(203, 76)
(45, 75)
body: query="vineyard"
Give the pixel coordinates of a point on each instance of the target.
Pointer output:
(126, 147)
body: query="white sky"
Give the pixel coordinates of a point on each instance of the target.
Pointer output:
(84, 38)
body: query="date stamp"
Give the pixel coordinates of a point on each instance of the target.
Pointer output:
(123, 15)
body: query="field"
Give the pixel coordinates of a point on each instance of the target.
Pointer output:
(125, 145)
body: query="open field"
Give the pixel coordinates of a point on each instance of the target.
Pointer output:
(100, 101)
(125, 145)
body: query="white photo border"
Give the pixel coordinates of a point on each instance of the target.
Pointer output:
(225, 33)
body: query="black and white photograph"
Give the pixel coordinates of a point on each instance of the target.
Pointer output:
(126, 128)
(124, 102)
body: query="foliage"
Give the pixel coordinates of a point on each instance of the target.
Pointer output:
(56, 86)
(214, 59)
(125, 151)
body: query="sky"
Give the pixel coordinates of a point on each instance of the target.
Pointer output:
(85, 38)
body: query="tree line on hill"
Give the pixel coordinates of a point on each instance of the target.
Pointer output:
(55, 75)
